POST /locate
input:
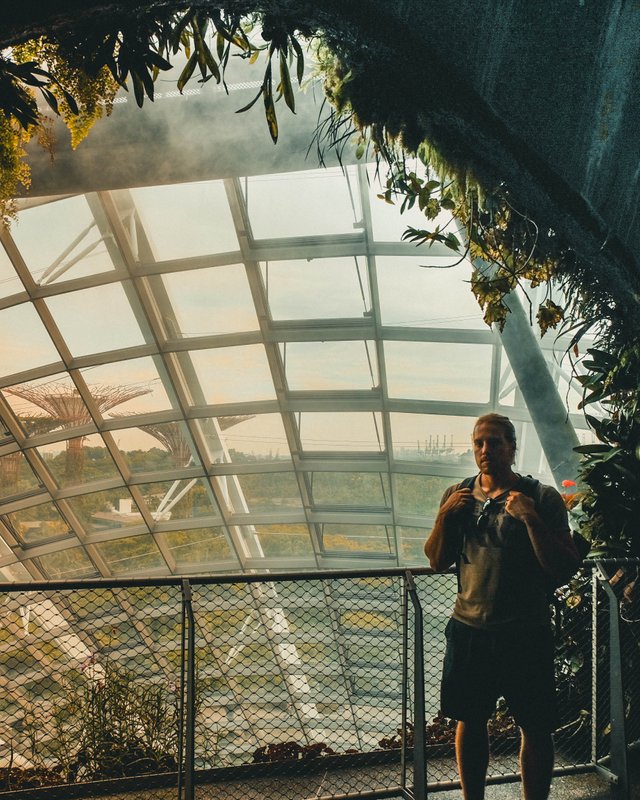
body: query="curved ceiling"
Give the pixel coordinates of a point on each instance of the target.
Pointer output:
(239, 372)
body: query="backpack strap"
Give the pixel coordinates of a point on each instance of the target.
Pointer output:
(466, 483)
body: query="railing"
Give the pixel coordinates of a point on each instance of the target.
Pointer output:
(299, 686)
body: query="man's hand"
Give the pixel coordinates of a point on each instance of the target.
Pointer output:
(520, 506)
(445, 538)
(459, 502)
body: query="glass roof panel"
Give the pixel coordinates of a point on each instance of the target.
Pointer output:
(345, 537)
(321, 288)
(72, 311)
(30, 343)
(421, 494)
(355, 489)
(181, 499)
(432, 438)
(160, 446)
(259, 437)
(184, 220)
(270, 491)
(10, 283)
(16, 476)
(212, 301)
(286, 541)
(312, 203)
(412, 544)
(198, 546)
(130, 376)
(131, 554)
(80, 460)
(439, 371)
(106, 511)
(349, 431)
(330, 366)
(421, 293)
(73, 247)
(72, 563)
(234, 374)
(38, 524)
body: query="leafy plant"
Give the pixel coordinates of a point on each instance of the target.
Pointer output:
(110, 725)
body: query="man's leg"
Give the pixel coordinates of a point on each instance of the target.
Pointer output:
(472, 754)
(536, 763)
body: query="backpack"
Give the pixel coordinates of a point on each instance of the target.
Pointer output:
(529, 486)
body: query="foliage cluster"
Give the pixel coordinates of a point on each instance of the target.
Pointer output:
(109, 725)
(77, 71)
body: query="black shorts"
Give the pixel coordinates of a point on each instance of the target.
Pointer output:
(480, 666)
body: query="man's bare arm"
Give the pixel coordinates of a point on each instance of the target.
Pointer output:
(441, 548)
(555, 550)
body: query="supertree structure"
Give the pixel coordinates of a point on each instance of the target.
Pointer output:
(64, 405)
(171, 436)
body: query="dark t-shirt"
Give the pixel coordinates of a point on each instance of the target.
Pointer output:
(501, 581)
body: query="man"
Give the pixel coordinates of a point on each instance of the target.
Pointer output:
(510, 538)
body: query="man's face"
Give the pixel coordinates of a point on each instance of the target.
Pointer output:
(492, 450)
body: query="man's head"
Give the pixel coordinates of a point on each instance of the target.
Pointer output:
(494, 444)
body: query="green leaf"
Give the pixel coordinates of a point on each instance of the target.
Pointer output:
(187, 72)
(592, 449)
(138, 88)
(299, 59)
(285, 83)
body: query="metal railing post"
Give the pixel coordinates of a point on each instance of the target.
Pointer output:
(419, 743)
(190, 726)
(618, 774)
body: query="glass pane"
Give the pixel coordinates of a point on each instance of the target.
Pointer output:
(439, 371)
(234, 374)
(16, 476)
(345, 432)
(163, 446)
(252, 438)
(38, 524)
(284, 540)
(413, 294)
(412, 545)
(10, 283)
(421, 494)
(311, 203)
(79, 460)
(359, 489)
(130, 376)
(338, 537)
(26, 342)
(330, 365)
(134, 554)
(270, 491)
(433, 438)
(179, 499)
(103, 511)
(324, 288)
(113, 323)
(73, 246)
(189, 219)
(213, 301)
(198, 546)
(71, 563)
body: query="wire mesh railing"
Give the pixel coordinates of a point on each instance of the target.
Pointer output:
(283, 686)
